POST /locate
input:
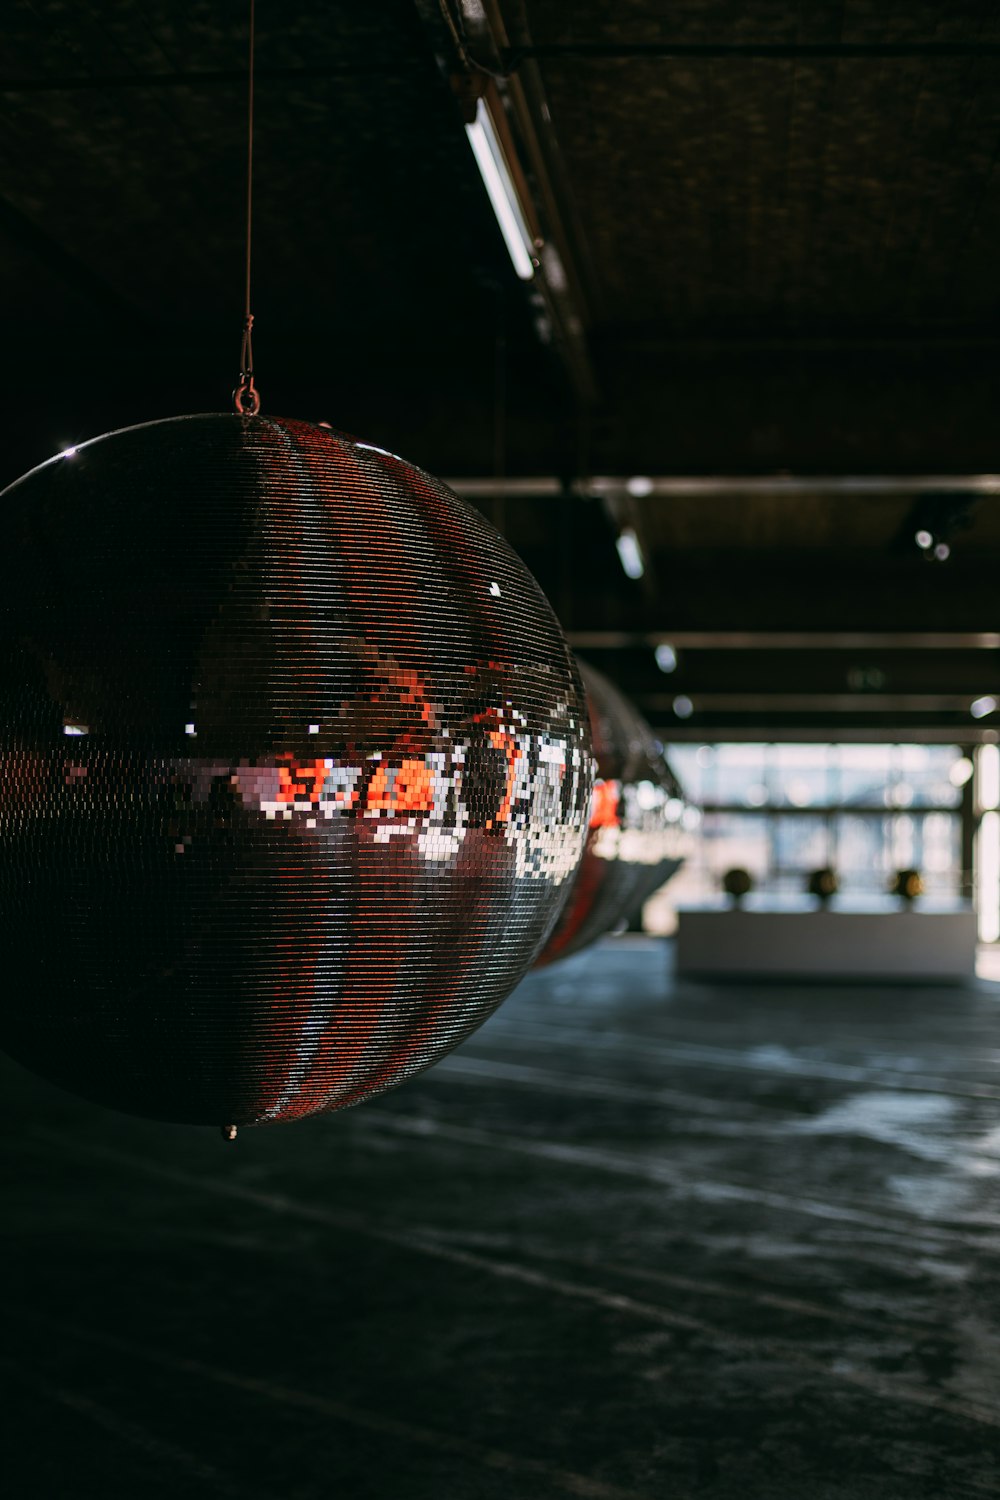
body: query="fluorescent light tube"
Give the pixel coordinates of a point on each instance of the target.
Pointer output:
(629, 552)
(497, 180)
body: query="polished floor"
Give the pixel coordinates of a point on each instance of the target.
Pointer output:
(637, 1238)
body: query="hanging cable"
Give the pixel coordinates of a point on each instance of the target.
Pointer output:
(246, 397)
(500, 410)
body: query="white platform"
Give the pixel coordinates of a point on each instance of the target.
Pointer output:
(905, 944)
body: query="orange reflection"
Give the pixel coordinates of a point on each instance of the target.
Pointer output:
(290, 789)
(414, 788)
(604, 806)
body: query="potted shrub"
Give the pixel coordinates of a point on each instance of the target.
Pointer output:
(823, 883)
(737, 883)
(907, 885)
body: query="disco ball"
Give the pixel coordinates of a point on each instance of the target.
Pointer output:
(294, 772)
(637, 837)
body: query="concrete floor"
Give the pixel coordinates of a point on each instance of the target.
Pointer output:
(636, 1239)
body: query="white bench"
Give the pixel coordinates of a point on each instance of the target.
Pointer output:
(906, 944)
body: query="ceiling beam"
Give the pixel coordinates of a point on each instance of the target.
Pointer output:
(709, 486)
(787, 640)
(869, 734)
(55, 83)
(904, 342)
(516, 57)
(815, 703)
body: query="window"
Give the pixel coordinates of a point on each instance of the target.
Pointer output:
(783, 811)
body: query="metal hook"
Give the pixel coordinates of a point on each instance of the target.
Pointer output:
(246, 398)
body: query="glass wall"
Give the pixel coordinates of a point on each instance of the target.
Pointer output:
(866, 811)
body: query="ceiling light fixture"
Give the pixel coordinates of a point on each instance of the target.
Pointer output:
(935, 520)
(498, 180)
(630, 553)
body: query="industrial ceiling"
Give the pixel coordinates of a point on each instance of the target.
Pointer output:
(762, 333)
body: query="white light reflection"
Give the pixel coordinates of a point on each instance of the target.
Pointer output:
(666, 658)
(988, 852)
(980, 707)
(988, 779)
(683, 707)
(630, 553)
(368, 447)
(424, 799)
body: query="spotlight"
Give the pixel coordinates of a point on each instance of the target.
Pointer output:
(934, 522)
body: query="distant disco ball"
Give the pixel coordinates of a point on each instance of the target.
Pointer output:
(637, 837)
(294, 774)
